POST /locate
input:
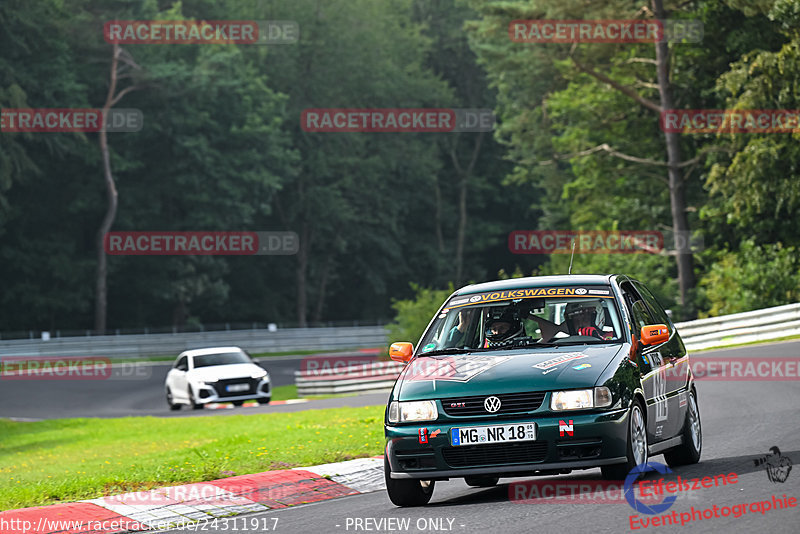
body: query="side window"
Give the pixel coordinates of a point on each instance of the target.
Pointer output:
(637, 308)
(182, 364)
(659, 314)
(641, 315)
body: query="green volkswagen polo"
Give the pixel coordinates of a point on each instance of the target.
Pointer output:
(539, 376)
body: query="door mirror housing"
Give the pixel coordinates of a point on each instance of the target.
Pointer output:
(653, 334)
(402, 351)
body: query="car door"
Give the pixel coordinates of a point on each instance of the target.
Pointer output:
(675, 365)
(177, 379)
(650, 364)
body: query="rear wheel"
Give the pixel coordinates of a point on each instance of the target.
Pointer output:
(263, 401)
(192, 403)
(407, 492)
(170, 401)
(238, 403)
(637, 445)
(481, 481)
(688, 452)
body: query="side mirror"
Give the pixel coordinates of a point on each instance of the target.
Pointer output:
(401, 351)
(653, 334)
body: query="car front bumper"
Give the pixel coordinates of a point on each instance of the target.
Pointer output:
(207, 393)
(598, 438)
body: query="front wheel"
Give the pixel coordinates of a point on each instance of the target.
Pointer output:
(637, 446)
(192, 403)
(407, 492)
(688, 452)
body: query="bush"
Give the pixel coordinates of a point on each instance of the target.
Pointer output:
(413, 315)
(755, 277)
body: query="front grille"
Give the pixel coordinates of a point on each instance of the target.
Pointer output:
(495, 454)
(221, 386)
(509, 403)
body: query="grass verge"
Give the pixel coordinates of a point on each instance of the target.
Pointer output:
(69, 459)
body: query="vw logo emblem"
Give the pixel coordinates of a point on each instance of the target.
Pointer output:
(476, 298)
(491, 404)
(580, 291)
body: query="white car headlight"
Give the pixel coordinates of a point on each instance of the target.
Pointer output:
(259, 374)
(209, 380)
(403, 412)
(580, 399)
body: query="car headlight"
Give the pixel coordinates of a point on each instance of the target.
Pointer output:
(209, 380)
(402, 412)
(259, 374)
(581, 399)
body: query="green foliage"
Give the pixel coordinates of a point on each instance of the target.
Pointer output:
(414, 314)
(754, 277)
(222, 149)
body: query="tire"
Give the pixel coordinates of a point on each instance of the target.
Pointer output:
(482, 481)
(192, 403)
(238, 403)
(172, 405)
(263, 401)
(689, 451)
(407, 492)
(637, 445)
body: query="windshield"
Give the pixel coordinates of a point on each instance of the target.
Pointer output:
(223, 358)
(525, 318)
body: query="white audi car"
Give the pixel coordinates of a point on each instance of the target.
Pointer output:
(219, 374)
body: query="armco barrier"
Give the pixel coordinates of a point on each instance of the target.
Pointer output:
(254, 341)
(746, 327)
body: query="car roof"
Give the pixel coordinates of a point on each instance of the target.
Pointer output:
(210, 350)
(537, 281)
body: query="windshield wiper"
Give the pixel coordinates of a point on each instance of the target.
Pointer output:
(524, 346)
(452, 350)
(597, 342)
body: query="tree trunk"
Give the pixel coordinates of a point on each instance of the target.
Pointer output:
(677, 193)
(101, 292)
(438, 215)
(301, 275)
(323, 287)
(462, 202)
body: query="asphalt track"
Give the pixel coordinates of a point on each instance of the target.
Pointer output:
(741, 421)
(138, 390)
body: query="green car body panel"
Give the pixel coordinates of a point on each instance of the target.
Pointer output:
(658, 376)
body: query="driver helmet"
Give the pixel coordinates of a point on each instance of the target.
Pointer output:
(502, 326)
(593, 308)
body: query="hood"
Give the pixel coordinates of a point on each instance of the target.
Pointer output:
(509, 371)
(224, 372)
